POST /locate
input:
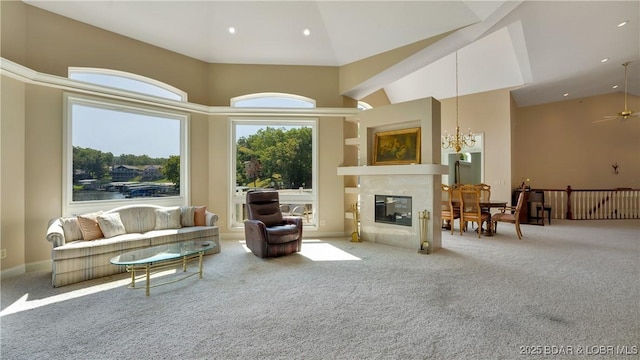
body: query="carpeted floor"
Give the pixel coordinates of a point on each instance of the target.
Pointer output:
(572, 287)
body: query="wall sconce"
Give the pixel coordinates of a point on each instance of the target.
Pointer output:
(615, 168)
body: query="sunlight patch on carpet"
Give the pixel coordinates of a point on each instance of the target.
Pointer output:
(322, 251)
(24, 303)
(317, 250)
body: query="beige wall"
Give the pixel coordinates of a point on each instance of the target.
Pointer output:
(488, 113)
(43, 167)
(50, 43)
(227, 81)
(12, 172)
(378, 98)
(558, 144)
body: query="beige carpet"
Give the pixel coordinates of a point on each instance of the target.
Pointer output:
(572, 286)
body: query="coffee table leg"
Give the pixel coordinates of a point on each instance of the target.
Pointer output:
(133, 275)
(200, 263)
(148, 278)
(184, 264)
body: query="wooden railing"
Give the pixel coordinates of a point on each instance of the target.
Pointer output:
(591, 204)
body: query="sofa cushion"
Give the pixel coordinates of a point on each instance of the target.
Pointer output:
(111, 225)
(168, 218)
(187, 216)
(89, 249)
(89, 226)
(71, 228)
(137, 218)
(167, 236)
(200, 216)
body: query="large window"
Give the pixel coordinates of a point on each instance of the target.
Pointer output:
(275, 153)
(118, 153)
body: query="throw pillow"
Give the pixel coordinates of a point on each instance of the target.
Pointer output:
(186, 215)
(200, 216)
(89, 226)
(168, 218)
(71, 228)
(111, 225)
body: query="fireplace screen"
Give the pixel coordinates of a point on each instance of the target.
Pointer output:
(393, 209)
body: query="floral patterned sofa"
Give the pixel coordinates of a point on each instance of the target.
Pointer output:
(83, 245)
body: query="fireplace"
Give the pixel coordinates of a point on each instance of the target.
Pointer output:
(392, 209)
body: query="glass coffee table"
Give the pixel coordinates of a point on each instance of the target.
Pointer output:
(163, 257)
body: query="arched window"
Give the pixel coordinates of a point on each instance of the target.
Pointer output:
(273, 100)
(127, 81)
(364, 106)
(119, 152)
(275, 153)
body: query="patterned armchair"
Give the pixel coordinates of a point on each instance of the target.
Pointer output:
(268, 233)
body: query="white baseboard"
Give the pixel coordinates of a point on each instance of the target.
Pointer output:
(13, 272)
(39, 266)
(22, 269)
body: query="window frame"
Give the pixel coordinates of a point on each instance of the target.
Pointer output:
(130, 76)
(234, 200)
(264, 95)
(71, 207)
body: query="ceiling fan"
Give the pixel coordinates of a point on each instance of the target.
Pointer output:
(626, 113)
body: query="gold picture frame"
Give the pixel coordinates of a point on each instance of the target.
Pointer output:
(397, 147)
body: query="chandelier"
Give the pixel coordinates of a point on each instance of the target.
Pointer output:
(457, 141)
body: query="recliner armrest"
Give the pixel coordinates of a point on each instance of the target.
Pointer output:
(295, 220)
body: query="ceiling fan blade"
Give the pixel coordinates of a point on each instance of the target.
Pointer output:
(606, 118)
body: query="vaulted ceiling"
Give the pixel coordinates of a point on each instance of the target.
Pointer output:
(541, 49)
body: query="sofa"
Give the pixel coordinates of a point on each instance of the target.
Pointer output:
(83, 245)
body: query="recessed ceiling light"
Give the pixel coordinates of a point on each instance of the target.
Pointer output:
(565, 94)
(604, 60)
(615, 86)
(623, 23)
(231, 30)
(306, 32)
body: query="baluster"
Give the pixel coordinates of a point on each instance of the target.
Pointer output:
(618, 210)
(568, 191)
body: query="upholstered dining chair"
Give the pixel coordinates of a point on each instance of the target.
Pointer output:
(268, 233)
(449, 212)
(536, 197)
(509, 214)
(470, 210)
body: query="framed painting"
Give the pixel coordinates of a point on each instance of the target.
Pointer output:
(397, 147)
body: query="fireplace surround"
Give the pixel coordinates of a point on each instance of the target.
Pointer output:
(418, 181)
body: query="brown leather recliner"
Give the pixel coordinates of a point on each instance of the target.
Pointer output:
(267, 232)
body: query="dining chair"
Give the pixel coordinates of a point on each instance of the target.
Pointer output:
(485, 191)
(509, 214)
(449, 212)
(485, 194)
(470, 208)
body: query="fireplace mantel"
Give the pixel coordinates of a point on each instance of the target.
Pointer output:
(417, 169)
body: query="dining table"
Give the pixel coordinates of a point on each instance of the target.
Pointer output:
(485, 205)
